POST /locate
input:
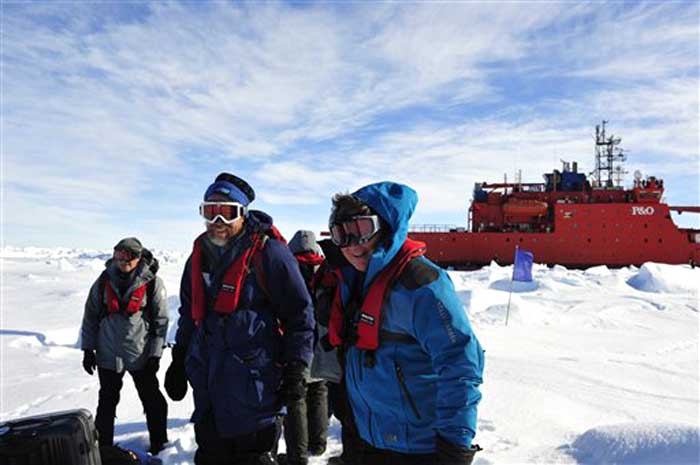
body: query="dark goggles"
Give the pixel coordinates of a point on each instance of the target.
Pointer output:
(228, 212)
(123, 255)
(356, 230)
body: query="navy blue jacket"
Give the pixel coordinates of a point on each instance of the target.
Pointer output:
(234, 363)
(425, 380)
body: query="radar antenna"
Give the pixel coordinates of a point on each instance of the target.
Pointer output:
(607, 153)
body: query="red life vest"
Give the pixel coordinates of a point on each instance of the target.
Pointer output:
(370, 317)
(309, 258)
(324, 277)
(227, 298)
(134, 303)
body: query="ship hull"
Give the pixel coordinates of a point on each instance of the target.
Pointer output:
(583, 235)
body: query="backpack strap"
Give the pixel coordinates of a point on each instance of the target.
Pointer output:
(256, 261)
(257, 266)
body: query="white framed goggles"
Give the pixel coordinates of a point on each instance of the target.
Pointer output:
(355, 230)
(227, 212)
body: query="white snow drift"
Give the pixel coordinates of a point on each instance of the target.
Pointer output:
(595, 367)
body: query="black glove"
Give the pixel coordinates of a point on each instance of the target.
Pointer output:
(454, 454)
(266, 459)
(89, 361)
(293, 386)
(152, 364)
(175, 377)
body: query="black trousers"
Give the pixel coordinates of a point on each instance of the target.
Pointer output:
(373, 456)
(306, 423)
(258, 448)
(340, 404)
(152, 399)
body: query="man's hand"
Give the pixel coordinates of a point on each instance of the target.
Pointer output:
(176, 378)
(89, 361)
(454, 454)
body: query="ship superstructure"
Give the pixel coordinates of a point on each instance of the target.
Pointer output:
(570, 219)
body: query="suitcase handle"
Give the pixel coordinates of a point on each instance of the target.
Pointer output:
(29, 422)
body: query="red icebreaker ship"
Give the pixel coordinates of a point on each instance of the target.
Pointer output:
(568, 220)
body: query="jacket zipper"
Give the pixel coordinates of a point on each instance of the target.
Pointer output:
(404, 389)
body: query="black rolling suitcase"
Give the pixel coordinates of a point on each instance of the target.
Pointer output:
(62, 438)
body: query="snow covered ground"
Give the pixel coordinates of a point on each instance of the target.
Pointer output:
(594, 367)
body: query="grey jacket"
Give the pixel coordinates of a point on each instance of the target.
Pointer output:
(325, 365)
(123, 341)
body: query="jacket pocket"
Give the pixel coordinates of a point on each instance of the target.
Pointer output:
(196, 365)
(249, 361)
(404, 389)
(251, 379)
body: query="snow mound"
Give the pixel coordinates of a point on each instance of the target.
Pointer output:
(65, 265)
(93, 255)
(601, 270)
(638, 444)
(516, 286)
(43, 252)
(496, 315)
(94, 264)
(660, 278)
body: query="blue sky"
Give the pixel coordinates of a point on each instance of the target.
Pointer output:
(116, 116)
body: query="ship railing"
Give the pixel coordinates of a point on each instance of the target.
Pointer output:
(680, 210)
(434, 228)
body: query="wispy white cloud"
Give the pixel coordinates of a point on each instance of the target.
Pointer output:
(135, 105)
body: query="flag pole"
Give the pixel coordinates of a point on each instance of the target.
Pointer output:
(510, 293)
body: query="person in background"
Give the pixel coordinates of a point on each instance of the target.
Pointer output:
(124, 327)
(306, 423)
(245, 333)
(412, 363)
(324, 286)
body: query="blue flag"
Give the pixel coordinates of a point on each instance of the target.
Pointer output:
(522, 269)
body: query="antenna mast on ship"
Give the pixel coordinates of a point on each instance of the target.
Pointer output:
(607, 153)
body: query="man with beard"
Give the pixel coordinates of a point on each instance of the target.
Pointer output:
(245, 333)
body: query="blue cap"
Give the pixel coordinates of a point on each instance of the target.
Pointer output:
(229, 190)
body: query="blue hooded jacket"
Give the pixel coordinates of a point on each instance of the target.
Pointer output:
(234, 363)
(427, 386)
